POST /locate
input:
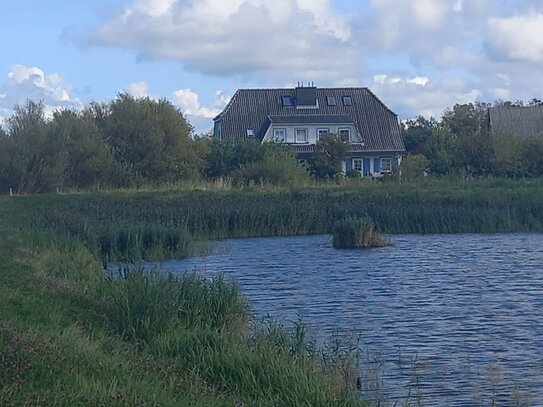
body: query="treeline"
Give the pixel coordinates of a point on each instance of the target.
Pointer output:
(462, 144)
(131, 142)
(126, 142)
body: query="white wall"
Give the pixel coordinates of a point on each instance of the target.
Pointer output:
(311, 131)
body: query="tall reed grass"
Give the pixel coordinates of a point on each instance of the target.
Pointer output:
(162, 224)
(205, 326)
(357, 233)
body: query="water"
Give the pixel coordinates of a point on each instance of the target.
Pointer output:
(448, 319)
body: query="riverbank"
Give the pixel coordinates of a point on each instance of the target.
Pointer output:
(69, 335)
(66, 339)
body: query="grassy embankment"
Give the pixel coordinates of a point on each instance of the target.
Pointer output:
(71, 336)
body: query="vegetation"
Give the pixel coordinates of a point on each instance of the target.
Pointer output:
(461, 144)
(131, 142)
(429, 206)
(72, 335)
(357, 233)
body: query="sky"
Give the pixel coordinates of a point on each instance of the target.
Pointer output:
(418, 56)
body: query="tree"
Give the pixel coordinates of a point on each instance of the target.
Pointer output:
(151, 139)
(37, 155)
(331, 151)
(442, 150)
(416, 133)
(89, 159)
(469, 124)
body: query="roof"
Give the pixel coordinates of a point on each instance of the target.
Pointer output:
(524, 121)
(256, 108)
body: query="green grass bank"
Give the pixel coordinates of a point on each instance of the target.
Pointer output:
(70, 335)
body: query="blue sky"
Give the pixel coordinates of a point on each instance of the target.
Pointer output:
(418, 56)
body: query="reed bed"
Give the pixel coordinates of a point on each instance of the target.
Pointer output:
(356, 233)
(131, 225)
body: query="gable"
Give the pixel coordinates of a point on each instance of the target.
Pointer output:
(252, 109)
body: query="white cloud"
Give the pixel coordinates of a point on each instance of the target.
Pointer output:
(188, 101)
(418, 80)
(413, 96)
(519, 37)
(24, 82)
(246, 38)
(429, 13)
(138, 89)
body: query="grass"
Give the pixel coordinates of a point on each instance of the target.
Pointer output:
(72, 335)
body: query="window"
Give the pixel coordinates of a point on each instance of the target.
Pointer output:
(347, 101)
(345, 133)
(279, 135)
(301, 135)
(322, 132)
(386, 164)
(287, 100)
(250, 133)
(330, 100)
(357, 164)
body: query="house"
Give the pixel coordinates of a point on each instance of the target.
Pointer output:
(522, 121)
(299, 116)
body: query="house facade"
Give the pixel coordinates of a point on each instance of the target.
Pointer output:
(300, 116)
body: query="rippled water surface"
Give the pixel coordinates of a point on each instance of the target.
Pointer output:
(450, 319)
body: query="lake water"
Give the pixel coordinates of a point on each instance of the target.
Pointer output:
(451, 320)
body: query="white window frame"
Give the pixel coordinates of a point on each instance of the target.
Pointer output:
(389, 160)
(345, 129)
(296, 139)
(347, 100)
(361, 161)
(322, 130)
(283, 131)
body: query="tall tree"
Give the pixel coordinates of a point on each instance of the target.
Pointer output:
(89, 159)
(38, 154)
(150, 138)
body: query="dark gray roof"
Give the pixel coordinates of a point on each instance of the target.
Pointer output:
(312, 118)
(255, 108)
(523, 121)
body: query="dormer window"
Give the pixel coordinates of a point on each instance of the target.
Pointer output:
(347, 101)
(331, 101)
(345, 134)
(250, 133)
(287, 101)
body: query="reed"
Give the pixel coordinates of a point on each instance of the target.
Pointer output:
(356, 233)
(139, 225)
